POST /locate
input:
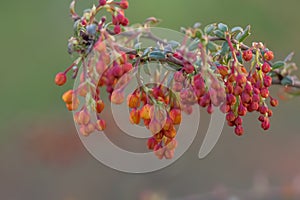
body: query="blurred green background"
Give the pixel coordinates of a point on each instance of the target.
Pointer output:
(40, 154)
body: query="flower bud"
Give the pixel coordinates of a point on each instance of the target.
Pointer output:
(239, 130)
(68, 96)
(100, 125)
(100, 106)
(247, 55)
(60, 79)
(145, 111)
(175, 115)
(269, 55)
(134, 116)
(133, 101)
(266, 68)
(117, 97)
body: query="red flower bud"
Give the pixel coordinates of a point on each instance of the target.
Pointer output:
(247, 55)
(269, 55)
(266, 68)
(274, 102)
(60, 79)
(102, 2)
(117, 29)
(124, 4)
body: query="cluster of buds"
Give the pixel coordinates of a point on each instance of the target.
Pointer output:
(248, 91)
(158, 110)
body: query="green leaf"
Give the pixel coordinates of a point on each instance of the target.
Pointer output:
(209, 28)
(146, 51)
(219, 34)
(222, 27)
(237, 29)
(240, 57)
(147, 69)
(194, 45)
(199, 33)
(243, 35)
(225, 49)
(287, 81)
(278, 64)
(157, 55)
(212, 46)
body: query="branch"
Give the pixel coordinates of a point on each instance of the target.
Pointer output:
(295, 84)
(171, 59)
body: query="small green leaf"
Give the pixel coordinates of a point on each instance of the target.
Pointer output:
(287, 81)
(209, 28)
(212, 46)
(157, 55)
(278, 64)
(225, 49)
(147, 69)
(240, 57)
(222, 27)
(237, 29)
(146, 51)
(199, 33)
(243, 35)
(194, 45)
(219, 34)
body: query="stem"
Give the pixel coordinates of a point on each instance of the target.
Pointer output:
(76, 62)
(232, 49)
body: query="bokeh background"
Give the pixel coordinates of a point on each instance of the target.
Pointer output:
(41, 156)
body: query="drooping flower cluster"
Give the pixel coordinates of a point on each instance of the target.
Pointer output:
(216, 70)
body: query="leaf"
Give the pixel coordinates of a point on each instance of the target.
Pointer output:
(222, 27)
(278, 64)
(240, 57)
(287, 81)
(289, 57)
(157, 55)
(209, 28)
(243, 35)
(212, 46)
(219, 34)
(197, 25)
(146, 52)
(147, 69)
(237, 29)
(199, 33)
(194, 45)
(225, 48)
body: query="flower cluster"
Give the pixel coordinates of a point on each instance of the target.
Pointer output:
(158, 110)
